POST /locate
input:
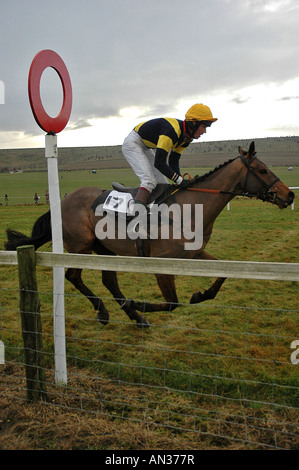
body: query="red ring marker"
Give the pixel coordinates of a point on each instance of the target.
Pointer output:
(41, 61)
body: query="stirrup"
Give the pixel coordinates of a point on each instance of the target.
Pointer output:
(140, 247)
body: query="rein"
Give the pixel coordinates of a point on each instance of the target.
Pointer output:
(245, 193)
(214, 191)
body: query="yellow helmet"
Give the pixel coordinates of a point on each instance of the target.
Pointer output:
(200, 112)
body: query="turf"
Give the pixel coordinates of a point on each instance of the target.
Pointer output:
(221, 369)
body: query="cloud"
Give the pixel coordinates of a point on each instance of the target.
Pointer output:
(239, 100)
(79, 124)
(289, 98)
(153, 56)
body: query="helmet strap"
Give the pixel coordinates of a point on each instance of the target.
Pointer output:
(187, 137)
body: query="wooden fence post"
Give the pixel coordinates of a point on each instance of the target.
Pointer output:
(31, 324)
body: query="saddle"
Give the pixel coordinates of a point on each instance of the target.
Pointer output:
(161, 191)
(158, 195)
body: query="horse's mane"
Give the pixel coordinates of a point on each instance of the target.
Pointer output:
(211, 172)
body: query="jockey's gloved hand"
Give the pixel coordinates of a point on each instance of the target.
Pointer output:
(184, 183)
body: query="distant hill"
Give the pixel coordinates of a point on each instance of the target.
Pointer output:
(279, 151)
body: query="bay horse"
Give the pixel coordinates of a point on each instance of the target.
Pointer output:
(244, 175)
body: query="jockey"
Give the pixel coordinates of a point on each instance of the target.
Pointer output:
(149, 144)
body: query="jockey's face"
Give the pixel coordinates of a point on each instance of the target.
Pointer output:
(202, 129)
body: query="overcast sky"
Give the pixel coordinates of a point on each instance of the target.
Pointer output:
(134, 60)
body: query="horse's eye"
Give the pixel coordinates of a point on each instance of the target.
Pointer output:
(263, 171)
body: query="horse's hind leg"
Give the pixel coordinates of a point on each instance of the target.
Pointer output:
(210, 293)
(167, 286)
(74, 276)
(109, 279)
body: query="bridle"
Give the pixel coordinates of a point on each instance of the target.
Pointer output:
(245, 193)
(260, 180)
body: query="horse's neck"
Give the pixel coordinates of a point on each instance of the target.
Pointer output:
(226, 179)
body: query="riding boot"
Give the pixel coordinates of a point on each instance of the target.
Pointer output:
(142, 198)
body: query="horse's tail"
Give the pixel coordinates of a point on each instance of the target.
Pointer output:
(41, 234)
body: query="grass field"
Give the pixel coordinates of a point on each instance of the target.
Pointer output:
(20, 187)
(221, 369)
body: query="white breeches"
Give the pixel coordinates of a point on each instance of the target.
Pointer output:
(141, 159)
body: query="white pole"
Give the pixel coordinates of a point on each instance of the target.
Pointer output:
(2, 353)
(293, 203)
(58, 272)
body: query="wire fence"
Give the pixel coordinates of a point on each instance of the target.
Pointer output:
(223, 372)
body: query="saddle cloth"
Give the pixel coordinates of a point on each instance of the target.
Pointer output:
(119, 197)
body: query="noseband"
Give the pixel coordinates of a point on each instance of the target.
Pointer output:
(250, 170)
(260, 180)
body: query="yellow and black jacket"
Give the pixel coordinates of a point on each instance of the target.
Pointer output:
(166, 135)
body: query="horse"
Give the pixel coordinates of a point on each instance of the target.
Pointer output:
(244, 175)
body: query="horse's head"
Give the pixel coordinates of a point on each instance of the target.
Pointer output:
(259, 181)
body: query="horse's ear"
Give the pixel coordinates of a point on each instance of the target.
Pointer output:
(251, 149)
(241, 151)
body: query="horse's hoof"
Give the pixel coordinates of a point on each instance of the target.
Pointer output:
(143, 323)
(103, 317)
(196, 298)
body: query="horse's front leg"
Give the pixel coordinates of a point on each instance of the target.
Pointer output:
(210, 293)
